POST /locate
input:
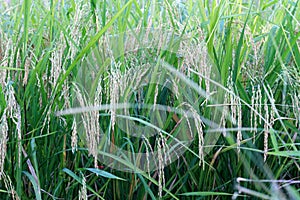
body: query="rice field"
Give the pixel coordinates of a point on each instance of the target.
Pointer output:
(156, 99)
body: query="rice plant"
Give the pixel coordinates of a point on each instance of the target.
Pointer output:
(153, 99)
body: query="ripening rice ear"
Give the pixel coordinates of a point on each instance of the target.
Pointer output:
(3, 141)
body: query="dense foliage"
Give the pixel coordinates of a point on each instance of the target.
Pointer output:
(153, 99)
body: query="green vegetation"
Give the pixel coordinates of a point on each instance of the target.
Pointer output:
(153, 99)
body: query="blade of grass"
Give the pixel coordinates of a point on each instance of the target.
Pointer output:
(103, 173)
(36, 188)
(203, 194)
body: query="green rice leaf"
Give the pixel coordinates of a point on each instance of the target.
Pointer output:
(206, 194)
(37, 189)
(103, 173)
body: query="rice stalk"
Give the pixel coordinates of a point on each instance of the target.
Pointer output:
(252, 115)
(115, 80)
(81, 11)
(74, 137)
(9, 186)
(12, 104)
(266, 130)
(161, 176)
(199, 125)
(272, 102)
(26, 68)
(18, 123)
(166, 149)
(3, 141)
(83, 190)
(57, 60)
(148, 146)
(5, 61)
(257, 107)
(90, 122)
(225, 112)
(239, 125)
(259, 102)
(296, 108)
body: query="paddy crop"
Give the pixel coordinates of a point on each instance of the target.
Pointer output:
(149, 99)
